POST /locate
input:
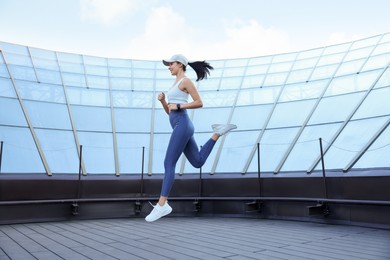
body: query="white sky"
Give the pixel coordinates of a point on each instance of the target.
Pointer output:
(200, 29)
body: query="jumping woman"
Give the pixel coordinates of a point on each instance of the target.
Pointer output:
(182, 139)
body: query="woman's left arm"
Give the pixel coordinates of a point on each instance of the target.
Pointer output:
(188, 86)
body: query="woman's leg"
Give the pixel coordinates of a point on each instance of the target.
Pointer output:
(181, 133)
(195, 157)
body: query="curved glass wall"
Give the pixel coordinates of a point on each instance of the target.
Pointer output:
(51, 103)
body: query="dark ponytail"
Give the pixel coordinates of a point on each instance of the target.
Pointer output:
(202, 69)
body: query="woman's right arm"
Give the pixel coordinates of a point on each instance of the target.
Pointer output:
(161, 98)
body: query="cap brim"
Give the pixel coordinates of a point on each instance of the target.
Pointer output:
(166, 62)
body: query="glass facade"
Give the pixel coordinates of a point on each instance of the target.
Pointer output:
(52, 103)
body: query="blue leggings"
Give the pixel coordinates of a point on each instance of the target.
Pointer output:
(182, 140)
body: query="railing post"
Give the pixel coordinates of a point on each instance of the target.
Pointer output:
(323, 170)
(321, 208)
(138, 205)
(75, 205)
(1, 153)
(258, 168)
(142, 170)
(196, 203)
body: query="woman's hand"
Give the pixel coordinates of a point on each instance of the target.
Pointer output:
(161, 97)
(172, 107)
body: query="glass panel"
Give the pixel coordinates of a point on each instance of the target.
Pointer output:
(6, 88)
(47, 76)
(74, 80)
(299, 76)
(251, 117)
(39, 54)
(382, 48)
(218, 98)
(120, 72)
(253, 81)
(231, 72)
(231, 83)
(20, 60)
(376, 104)
(331, 59)
(98, 152)
(72, 67)
(377, 62)
(143, 84)
(13, 48)
(46, 64)
(384, 81)
(301, 91)
(351, 140)
(378, 153)
(258, 96)
(48, 115)
(143, 73)
(130, 152)
(93, 60)
(3, 71)
(96, 70)
(92, 97)
(359, 54)
(310, 53)
(203, 121)
(23, 73)
(16, 118)
(324, 72)
(257, 70)
(120, 63)
(260, 60)
(337, 48)
(20, 154)
(98, 82)
(60, 150)
(307, 148)
(280, 67)
(353, 83)
(70, 58)
(273, 146)
(92, 118)
(161, 122)
(275, 79)
(236, 63)
(235, 152)
(335, 109)
(133, 120)
(41, 91)
(160, 144)
(132, 99)
(366, 42)
(121, 83)
(209, 84)
(285, 114)
(143, 64)
(350, 67)
(305, 64)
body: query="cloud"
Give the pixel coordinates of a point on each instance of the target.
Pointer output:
(167, 32)
(340, 37)
(249, 38)
(106, 12)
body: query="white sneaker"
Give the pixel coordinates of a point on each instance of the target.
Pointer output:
(158, 212)
(223, 129)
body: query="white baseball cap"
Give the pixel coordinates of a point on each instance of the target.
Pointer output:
(177, 57)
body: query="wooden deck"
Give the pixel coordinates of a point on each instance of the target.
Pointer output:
(191, 238)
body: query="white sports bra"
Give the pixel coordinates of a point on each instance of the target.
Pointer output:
(176, 95)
